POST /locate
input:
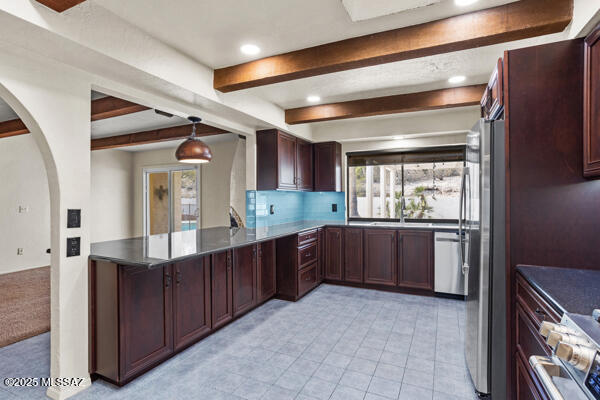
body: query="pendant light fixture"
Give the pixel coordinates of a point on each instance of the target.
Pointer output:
(193, 150)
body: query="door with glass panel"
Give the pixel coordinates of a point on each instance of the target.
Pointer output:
(171, 201)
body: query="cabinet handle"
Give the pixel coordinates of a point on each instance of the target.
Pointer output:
(168, 283)
(178, 280)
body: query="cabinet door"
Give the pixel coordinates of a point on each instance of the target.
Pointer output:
(380, 256)
(191, 301)
(591, 105)
(304, 165)
(353, 255)
(266, 270)
(415, 259)
(222, 288)
(286, 152)
(145, 314)
(333, 248)
(244, 279)
(328, 166)
(321, 257)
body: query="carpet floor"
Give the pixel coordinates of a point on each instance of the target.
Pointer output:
(24, 304)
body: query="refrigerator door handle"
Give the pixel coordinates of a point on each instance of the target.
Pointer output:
(461, 209)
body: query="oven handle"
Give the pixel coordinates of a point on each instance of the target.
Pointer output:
(543, 367)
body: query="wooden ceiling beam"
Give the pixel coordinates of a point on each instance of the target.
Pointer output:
(519, 20)
(106, 107)
(60, 5)
(109, 107)
(421, 101)
(154, 136)
(12, 128)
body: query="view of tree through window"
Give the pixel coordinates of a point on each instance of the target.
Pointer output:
(431, 190)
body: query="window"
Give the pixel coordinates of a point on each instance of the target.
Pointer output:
(171, 200)
(421, 185)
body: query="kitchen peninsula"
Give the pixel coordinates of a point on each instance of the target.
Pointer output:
(153, 296)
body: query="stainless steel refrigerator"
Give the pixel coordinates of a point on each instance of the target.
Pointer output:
(482, 218)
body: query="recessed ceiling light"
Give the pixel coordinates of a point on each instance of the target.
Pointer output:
(457, 79)
(463, 3)
(313, 98)
(250, 49)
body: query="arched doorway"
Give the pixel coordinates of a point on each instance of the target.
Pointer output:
(53, 103)
(25, 268)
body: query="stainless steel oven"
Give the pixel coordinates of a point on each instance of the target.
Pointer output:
(573, 370)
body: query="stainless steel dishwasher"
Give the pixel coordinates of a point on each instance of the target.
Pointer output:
(449, 278)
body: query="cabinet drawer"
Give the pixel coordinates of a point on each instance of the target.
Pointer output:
(307, 237)
(307, 255)
(529, 340)
(534, 305)
(307, 279)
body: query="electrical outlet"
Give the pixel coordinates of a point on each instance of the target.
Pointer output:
(23, 209)
(271, 209)
(333, 207)
(73, 247)
(20, 251)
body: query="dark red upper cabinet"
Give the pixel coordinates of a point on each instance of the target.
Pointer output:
(286, 161)
(492, 101)
(328, 167)
(283, 162)
(191, 301)
(591, 106)
(304, 165)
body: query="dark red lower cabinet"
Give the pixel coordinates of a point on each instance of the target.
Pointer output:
(191, 301)
(222, 288)
(244, 279)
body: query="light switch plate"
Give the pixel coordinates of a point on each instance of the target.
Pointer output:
(73, 247)
(73, 218)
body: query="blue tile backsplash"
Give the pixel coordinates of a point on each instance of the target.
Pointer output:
(292, 207)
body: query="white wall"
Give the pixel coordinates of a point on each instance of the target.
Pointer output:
(54, 103)
(112, 195)
(238, 180)
(215, 181)
(23, 184)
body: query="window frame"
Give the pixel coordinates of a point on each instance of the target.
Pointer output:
(399, 151)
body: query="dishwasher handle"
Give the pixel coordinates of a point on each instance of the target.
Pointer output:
(447, 240)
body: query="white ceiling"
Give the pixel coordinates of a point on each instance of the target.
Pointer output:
(360, 10)
(172, 144)
(420, 74)
(212, 31)
(137, 122)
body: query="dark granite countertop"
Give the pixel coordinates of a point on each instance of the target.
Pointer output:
(566, 289)
(157, 250)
